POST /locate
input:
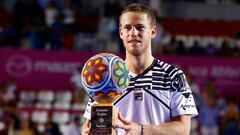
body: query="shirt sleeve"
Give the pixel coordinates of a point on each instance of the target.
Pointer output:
(182, 98)
(87, 113)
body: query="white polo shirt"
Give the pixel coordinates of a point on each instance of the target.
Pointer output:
(155, 96)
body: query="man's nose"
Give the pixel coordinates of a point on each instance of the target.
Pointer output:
(133, 31)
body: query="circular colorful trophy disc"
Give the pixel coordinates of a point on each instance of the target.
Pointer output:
(105, 77)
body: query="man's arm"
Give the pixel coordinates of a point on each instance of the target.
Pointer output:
(180, 125)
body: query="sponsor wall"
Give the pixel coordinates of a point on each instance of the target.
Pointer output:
(37, 69)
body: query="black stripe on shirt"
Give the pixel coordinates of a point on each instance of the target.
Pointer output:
(157, 98)
(125, 94)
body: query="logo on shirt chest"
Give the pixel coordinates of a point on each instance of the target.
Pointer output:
(138, 95)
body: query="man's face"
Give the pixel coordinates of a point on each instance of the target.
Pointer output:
(136, 32)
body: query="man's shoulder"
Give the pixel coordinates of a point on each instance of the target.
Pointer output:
(168, 69)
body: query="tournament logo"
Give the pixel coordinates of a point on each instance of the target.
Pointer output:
(18, 65)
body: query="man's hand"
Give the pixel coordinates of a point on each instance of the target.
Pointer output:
(131, 128)
(86, 128)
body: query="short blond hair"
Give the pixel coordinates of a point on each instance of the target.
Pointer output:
(140, 8)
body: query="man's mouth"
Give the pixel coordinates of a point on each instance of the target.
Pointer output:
(134, 41)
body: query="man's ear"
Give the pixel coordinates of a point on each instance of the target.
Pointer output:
(120, 32)
(154, 32)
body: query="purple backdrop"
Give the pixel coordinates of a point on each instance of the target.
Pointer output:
(37, 69)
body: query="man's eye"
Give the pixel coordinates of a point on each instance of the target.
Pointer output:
(127, 28)
(140, 28)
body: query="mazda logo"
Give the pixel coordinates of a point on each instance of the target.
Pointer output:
(18, 65)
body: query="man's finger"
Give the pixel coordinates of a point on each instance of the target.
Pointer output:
(125, 127)
(86, 128)
(86, 123)
(123, 120)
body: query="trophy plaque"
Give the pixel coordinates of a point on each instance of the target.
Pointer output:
(105, 77)
(102, 119)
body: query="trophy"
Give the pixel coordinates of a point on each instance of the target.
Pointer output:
(105, 77)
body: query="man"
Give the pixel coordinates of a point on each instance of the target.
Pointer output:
(74, 127)
(51, 128)
(158, 99)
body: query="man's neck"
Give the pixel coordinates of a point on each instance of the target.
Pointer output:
(138, 64)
